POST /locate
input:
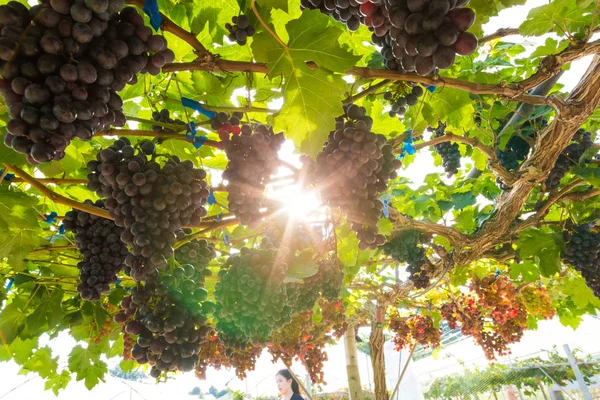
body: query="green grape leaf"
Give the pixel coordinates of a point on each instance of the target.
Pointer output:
(543, 247)
(302, 267)
(87, 366)
(41, 362)
(527, 269)
(47, 313)
(311, 97)
(453, 106)
(57, 382)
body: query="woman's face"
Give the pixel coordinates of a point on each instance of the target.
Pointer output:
(284, 385)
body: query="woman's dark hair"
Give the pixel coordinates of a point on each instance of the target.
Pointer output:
(288, 375)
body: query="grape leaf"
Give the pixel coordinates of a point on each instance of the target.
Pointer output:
(527, 269)
(543, 248)
(47, 314)
(41, 362)
(311, 97)
(56, 382)
(87, 366)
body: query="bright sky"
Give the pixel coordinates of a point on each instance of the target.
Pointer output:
(17, 387)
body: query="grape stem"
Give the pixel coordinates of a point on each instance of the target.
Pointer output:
(170, 26)
(175, 127)
(245, 109)
(499, 34)
(57, 248)
(371, 89)
(54, 181)
(267, 27)
(516, 91)
(158, 135)
(493, 162)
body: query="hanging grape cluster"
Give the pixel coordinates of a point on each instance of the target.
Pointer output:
(152, 202)
(98, 241)
(226, 125)
(414, 329)
(167, 318)
(415, 35)
(536, 300)
(63, 63)
(326, 283)
(582, 141)
(197, 253)
(583, 253)
(492, 313)
(448, 151)
(400, 101)
(240, 30)
(252, 159)
(407, 247)
(251, 297)
(514, 153)
(164, 115)
(354, 166)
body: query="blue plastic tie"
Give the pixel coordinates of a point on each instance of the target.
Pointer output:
(10, 284)
(218, 216)
(7, 177)
(211, 198)
(51, 217)
(194, 105)
(409, 148)
(199, 141)
(61, 229)
(190, 130)
(431, 88)
(498, 272)
(386, 211)
(127, 289)
(118, 282)
(226, 240)
(401, 156)
(151, 10)
(417, 310)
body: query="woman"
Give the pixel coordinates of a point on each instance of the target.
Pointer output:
(287, 385)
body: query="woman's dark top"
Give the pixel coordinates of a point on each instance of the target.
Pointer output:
(296, 396)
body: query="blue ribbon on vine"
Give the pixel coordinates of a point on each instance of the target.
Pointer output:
(190, 134)
(118, 282)
(7, 177)
(211, 198)
(10, 284)
(61, 229)
(431, 88)
(498, 272)
(407, 148)
(226, 240)
(151, 10)
(194, 105)
(218, 216)
(386, 210)
(50, 218)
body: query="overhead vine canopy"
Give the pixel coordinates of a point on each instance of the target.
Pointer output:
(153, 209)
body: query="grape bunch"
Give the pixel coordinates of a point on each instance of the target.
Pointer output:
(583, 253)
(582, 141)
(152, 202)
(240, 30)
(325, 283)
(354, 166)
(400, 101)
(98, 241)
(414, 35)
(63, 62)
(252, 159)
(251, 297)
(414, 329)
(198, 253)
(165, 116)
(407, 247)
(226, 125)
(492, 313)
(514, 153)
(536, 300)
(166, 316)
(448, 151)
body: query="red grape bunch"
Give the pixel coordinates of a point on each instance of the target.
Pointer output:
(252, 159)
(226, 125)
(98, 240)
(354, 166)
(167, 317)
(414, 329)
(240, 30)
(62, 64)
(152, 202)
